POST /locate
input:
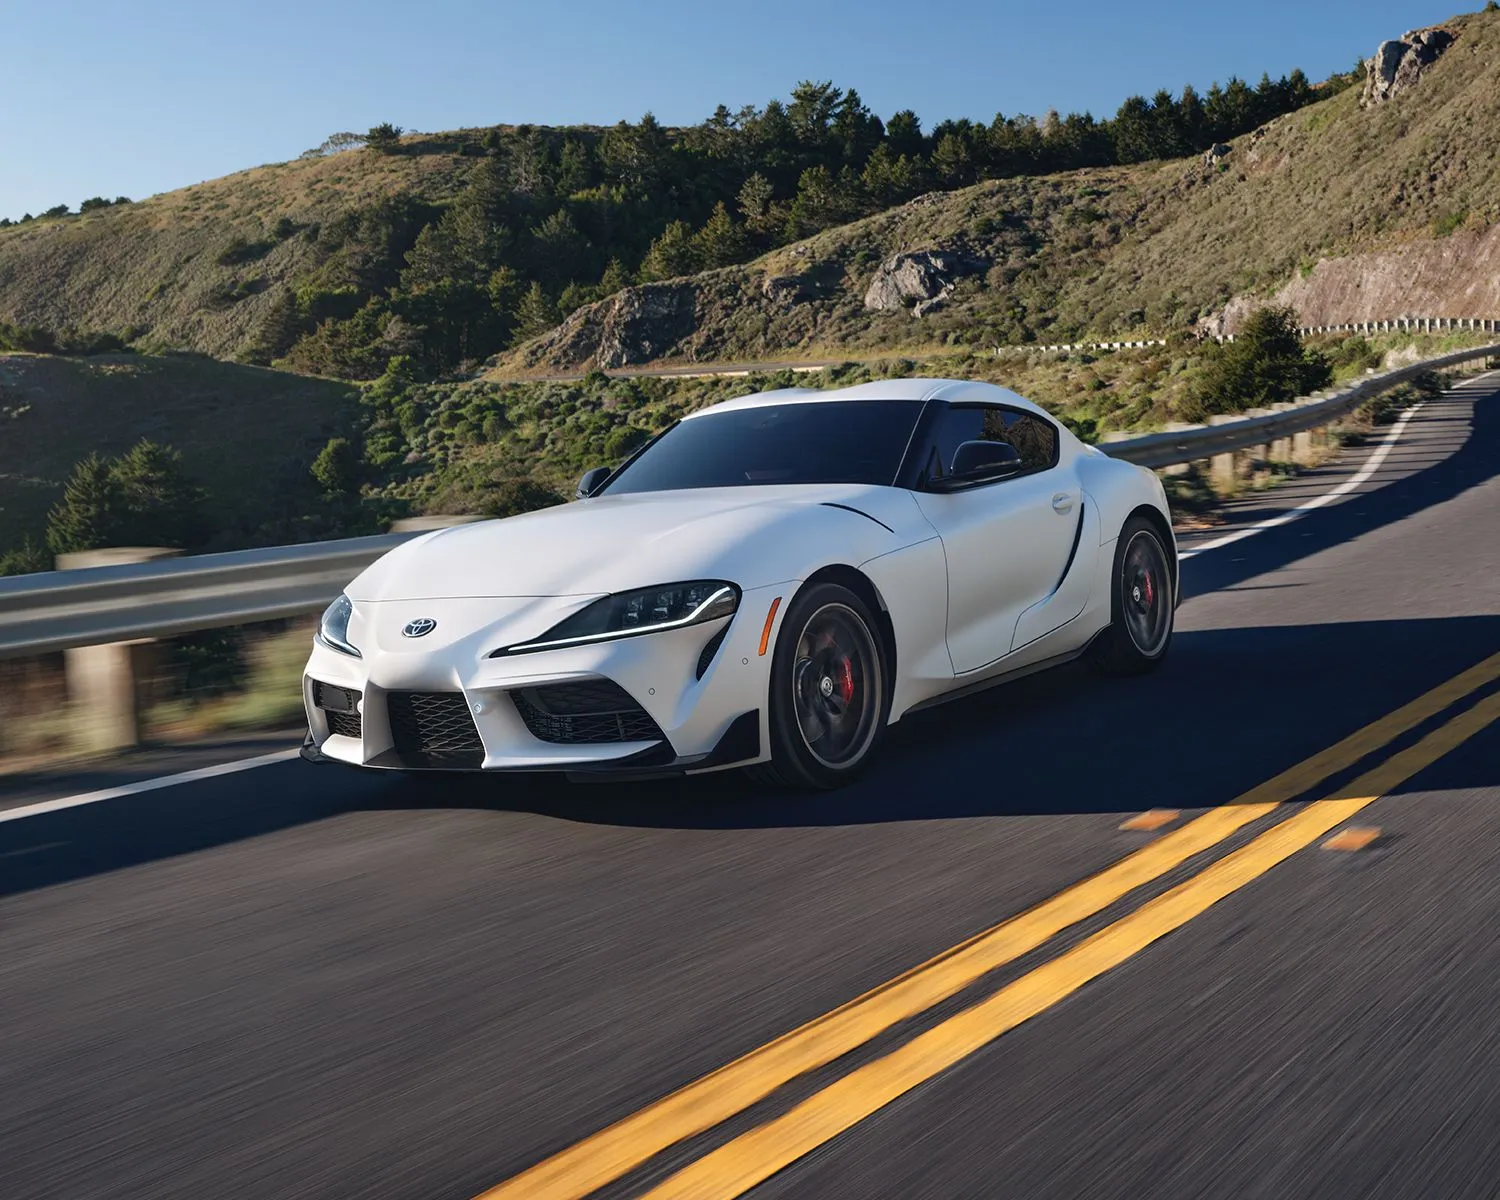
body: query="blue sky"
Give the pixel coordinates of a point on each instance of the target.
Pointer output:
(136, 98)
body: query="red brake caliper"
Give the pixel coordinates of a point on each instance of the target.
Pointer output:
(1150, 591)
(846, 679)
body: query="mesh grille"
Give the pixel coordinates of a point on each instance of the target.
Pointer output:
(591, 711)
(433, 729)
(339, 705)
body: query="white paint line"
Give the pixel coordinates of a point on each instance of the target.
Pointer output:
(1372, 464)
(145, 785)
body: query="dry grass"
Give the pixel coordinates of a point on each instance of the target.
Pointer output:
(1143, 250)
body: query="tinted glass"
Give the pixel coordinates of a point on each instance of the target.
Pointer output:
(1035, 439)
(841, 441)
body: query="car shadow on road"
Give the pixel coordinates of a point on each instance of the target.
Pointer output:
(1471, 422)
(1231, 708)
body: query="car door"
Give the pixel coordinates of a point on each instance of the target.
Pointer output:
(1006, 542)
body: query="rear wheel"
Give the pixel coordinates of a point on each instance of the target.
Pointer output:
(828, 691)
(1141, 604)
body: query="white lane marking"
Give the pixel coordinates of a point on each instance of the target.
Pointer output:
(145, 785)
(1372, 464)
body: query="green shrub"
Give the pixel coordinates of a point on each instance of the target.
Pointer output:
(1265, 364)
(623, 442)
(239, 250)
(142, 498)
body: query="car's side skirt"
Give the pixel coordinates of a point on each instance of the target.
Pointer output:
(980, 685)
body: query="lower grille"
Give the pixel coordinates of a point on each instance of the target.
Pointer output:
(340, 707)
(433, 729)
(592, 711)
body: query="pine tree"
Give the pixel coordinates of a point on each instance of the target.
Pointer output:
(161, 505)
(721, 242)
(384, 138)
(88, 515)
(614, 279)
(674, 253)
(535, 314)
(754, 202)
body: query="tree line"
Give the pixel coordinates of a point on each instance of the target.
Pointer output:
(554, 218)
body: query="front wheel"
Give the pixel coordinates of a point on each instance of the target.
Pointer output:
(828, 691)
(1141, 604)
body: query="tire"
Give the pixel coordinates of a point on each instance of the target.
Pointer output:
(1142, 592)
(829, 692)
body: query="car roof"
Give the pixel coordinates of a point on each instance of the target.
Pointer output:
(950, 391)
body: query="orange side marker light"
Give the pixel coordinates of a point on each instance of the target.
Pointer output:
(765, 634)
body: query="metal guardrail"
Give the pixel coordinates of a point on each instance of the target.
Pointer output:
(58, 610)
(1189, 443)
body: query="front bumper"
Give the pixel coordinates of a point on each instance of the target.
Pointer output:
(494, 714)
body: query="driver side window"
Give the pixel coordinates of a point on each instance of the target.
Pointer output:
(1034, 438)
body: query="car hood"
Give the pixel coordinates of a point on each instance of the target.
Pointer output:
(614, 543)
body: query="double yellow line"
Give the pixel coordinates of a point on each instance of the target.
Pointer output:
(752, 1157)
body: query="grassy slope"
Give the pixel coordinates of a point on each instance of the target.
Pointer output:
(1103, 251)
(247, 435)
(152, 265)
(1142, 248)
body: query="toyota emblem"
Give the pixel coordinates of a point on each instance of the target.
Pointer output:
(421, 627)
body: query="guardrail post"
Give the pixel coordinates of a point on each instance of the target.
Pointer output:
(1302, 448)
(422, 524)
(104, 681)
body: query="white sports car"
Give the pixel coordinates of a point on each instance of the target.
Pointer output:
(769, 582)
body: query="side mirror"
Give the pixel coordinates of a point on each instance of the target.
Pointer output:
(590, 481)
(978, 462)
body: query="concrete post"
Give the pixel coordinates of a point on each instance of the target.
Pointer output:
(1302, 448)
(1222, 469)
(104, 681)
(422, 524)
(1281, 450)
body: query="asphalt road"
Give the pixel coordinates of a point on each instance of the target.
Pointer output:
(300, 982)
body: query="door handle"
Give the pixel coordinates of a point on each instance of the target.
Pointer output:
(1062, 503)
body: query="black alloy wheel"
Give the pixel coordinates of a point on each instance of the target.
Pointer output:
(829, 691)
(1142, 604)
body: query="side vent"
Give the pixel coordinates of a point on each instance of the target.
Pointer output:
(710, 648)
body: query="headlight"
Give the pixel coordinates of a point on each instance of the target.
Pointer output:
(650, 610)
(333, 629)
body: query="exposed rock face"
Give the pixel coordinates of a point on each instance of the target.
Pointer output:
(1455, 276)
(924, 276)
(1398, 65)
(788, 289)
(1214, 153)
(636, 325)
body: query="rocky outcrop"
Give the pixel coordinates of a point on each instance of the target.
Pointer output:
(636, 325)
(1398, 65)
(816, 283)
(921, 279)
(1214, 153)
(1456, 276)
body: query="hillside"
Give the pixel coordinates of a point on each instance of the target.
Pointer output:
(1347, 211)
(445, 249)
(247, 435)
(152, 269)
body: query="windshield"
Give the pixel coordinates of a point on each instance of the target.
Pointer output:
(837, 441)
